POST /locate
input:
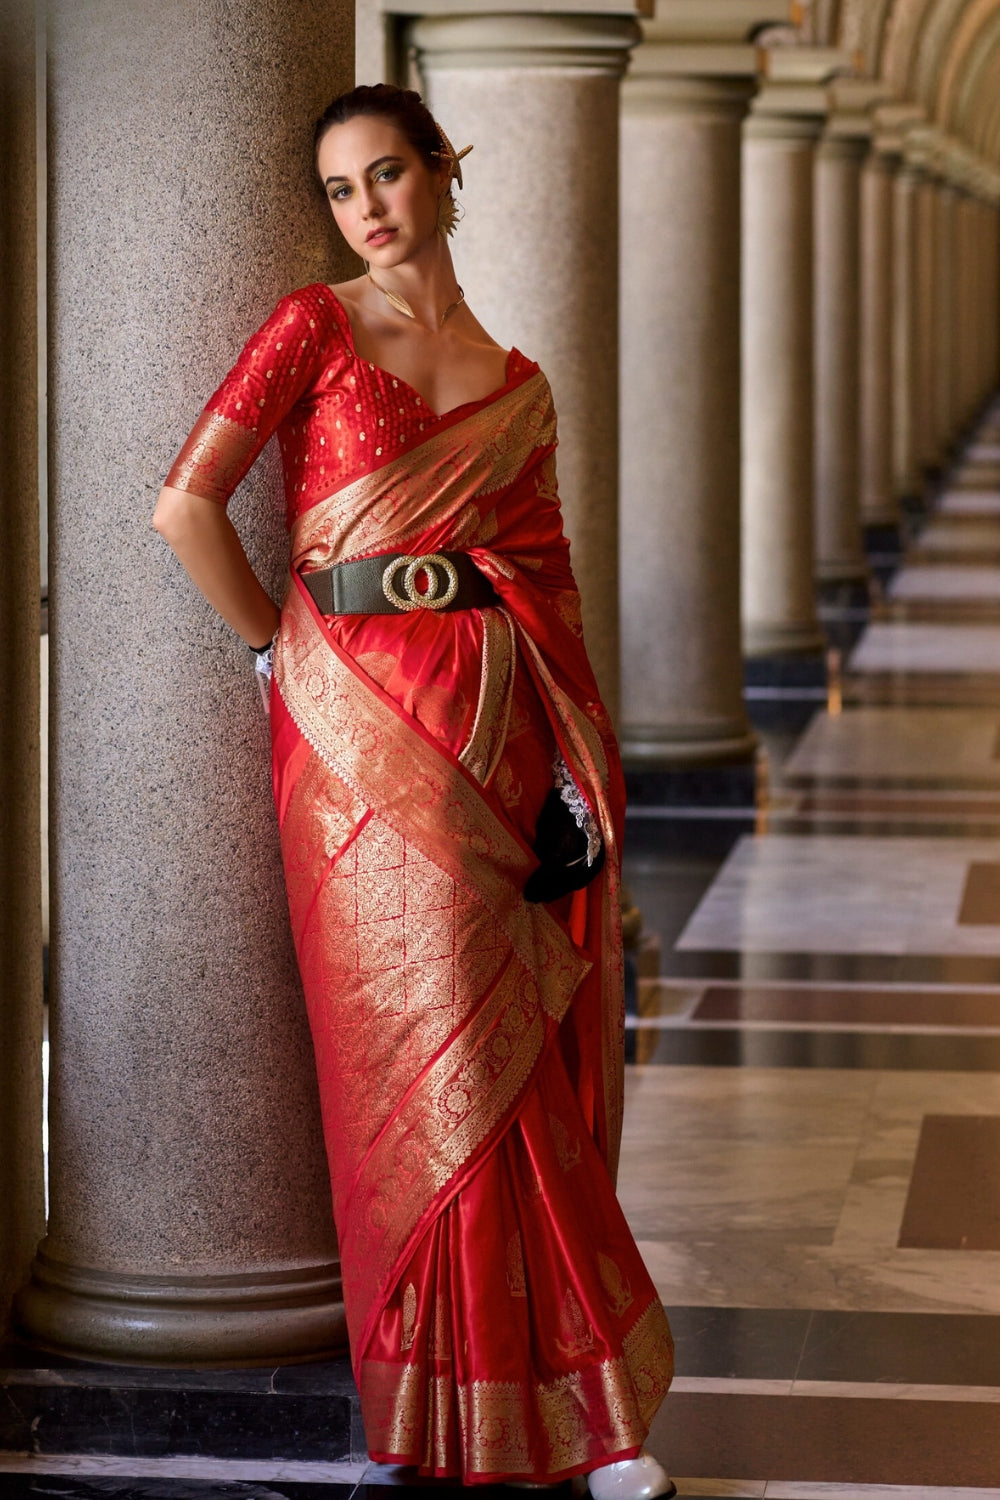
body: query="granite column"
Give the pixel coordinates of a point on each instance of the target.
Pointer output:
(930, 446)
(190, 1212)
(22, 1209)
(779, 592)
(944, 331)
(905, 336)
(682, 664)
(539, 95)
(879, 506)
(840, 557)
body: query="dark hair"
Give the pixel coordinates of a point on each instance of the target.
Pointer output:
(404, 107)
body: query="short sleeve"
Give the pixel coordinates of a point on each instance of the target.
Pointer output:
(276, 368)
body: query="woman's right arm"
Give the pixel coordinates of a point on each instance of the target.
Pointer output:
(274, 369)
(205, 541)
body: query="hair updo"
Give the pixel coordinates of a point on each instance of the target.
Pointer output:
(403, 107)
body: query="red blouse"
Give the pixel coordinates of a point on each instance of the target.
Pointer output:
(336, 416)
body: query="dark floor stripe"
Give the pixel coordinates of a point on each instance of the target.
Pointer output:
(858, 1006)
(909, 1348)
(953, 1201)
(733, 1047)
(980, 904)
(830, 968)
(824, 1439)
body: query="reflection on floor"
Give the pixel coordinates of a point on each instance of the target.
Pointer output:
(812, 1146)
(811, 1159)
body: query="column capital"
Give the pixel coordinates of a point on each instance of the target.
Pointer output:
(837, 144)
(718, 21)
(852, 101)
(795, 100)
(599, 42)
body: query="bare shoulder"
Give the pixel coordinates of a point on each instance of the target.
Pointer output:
(474, 332)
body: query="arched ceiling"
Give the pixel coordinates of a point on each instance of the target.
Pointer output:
(941, 54)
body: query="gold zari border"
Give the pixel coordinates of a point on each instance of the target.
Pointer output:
(384, 510)
(414, 788)
(577, 1421)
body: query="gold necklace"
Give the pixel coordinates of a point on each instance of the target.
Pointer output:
(401, 304)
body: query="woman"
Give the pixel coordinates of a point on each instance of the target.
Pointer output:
(434, 720)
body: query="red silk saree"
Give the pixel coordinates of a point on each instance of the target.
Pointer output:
(468, 1043)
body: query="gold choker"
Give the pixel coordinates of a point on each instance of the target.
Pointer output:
(401, 305)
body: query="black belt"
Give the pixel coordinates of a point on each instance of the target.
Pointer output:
(388, 584)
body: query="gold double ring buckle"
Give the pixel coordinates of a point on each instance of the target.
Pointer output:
(433, 598)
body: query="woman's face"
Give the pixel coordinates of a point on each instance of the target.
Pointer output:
(383, 195)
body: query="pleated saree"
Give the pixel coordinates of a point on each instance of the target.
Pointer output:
(468, 1043)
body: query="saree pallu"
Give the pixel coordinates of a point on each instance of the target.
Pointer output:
(468, 1043)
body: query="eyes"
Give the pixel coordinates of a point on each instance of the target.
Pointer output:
(383, 174)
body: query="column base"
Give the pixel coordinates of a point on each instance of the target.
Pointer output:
(732, 785)
(700, 810)
(762, 641)
(264, 1318)
(883, 540)
(846, 570)
(785, 689)
(118, 1411)
(667, 748)
(844, 593)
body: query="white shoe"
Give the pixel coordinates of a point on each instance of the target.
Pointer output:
(639, 1478)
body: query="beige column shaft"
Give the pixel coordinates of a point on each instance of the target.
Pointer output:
(879, 506)
(979, 310)
(21, 1194)
(779, 595)
(682, 664)
(906, 315)
(190, 1211)
(943, 364)
(539, 96)
(961, 399)
(930, 448)
(840, 554)
(989, 322)
(992, 274)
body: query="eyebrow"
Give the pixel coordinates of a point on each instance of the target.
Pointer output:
(379, 162)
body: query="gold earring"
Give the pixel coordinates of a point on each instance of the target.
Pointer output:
(448, 215)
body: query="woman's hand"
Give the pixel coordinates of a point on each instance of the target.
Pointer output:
(205, 540)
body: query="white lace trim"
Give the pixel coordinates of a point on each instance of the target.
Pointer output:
(573, 798)
(264, 662)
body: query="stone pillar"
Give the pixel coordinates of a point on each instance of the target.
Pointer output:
(840, 556)
(682, 664)
(989, 323)
(539, 97)
(779, 593)
(190, 1212)
(22, 1206)
(879, 505)
(961, 275)
(991, 273)
(906, 318)
(930, 446)
(943, 360)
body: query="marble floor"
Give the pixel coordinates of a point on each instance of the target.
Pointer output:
(811, 1160)
(811, 1152)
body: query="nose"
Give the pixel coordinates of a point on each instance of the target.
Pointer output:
(371, 206)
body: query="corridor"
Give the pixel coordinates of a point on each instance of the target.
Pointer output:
(812, 1125)
(813, 1119)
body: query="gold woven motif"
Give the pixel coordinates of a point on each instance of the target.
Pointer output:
(619, 1290)
(429, 485)
(488, 734)
(595, 1412)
